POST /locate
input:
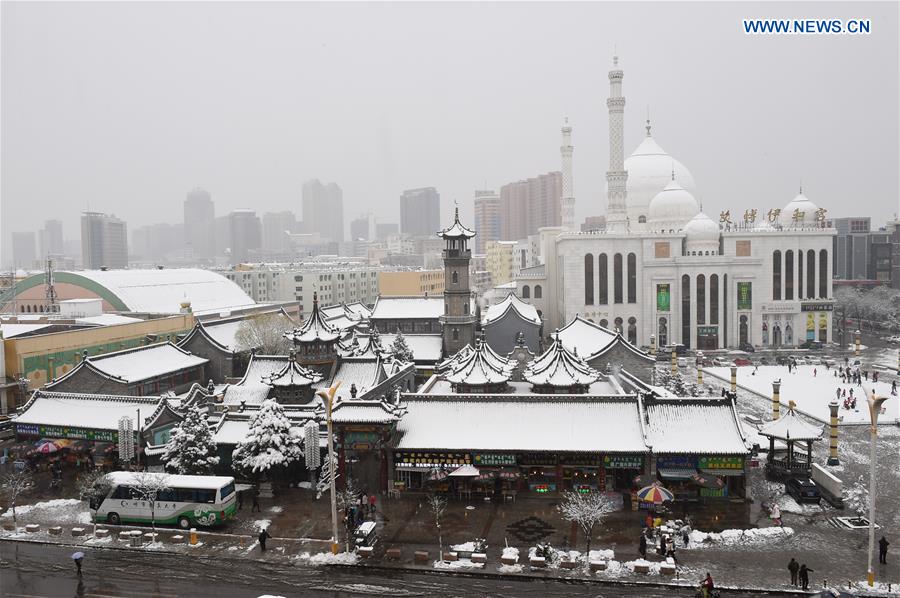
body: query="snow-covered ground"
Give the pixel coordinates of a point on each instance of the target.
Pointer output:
(812, 393)
(326, 558)
(61, 511)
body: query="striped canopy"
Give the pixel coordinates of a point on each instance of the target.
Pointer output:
(654, 493)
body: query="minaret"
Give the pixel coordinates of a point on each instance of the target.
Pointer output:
(458, 322)
(567, 208)
(616, 176)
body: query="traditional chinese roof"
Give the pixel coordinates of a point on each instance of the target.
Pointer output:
(694, 426)
(316, 328)
(558, 367)
(585, 337)
(513, 304)
(451, 362)
(790, 427)
(292, 374)
(376, 411)
(481, 367)
(89, 411)
(456, 230)
(408, 308)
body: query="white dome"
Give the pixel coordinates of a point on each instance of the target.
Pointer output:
(649, 171)
(702, 234)
(672, 208)
(802, 203)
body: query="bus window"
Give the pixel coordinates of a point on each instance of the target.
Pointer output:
(186, 495)
(208, 496)
(168, 495)
(122, 492)
(227, 491)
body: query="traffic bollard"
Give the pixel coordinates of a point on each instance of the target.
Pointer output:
(193, 536)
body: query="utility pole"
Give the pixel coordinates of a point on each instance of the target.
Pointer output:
(328, 398)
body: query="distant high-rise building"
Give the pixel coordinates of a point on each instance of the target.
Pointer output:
(155, 242)
(276, 228)
(593, 223)
(23, 249)
(50, 239)
(223, 234)
(245, 235)
(363, 228)
(526, 206)
(104, 241)
(383, 230)
(200, 224)
(420, 212)
(487, 219)
(323, 210)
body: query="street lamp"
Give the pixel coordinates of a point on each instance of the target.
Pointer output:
(328, 398)
(874, 410)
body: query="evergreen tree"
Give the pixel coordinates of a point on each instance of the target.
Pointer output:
(400, 349)
(270, 442)
(191, 449)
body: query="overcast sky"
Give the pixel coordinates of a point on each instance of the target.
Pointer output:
(124, 107)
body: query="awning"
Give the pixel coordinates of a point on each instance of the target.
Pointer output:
(724, 472)
(676, 474)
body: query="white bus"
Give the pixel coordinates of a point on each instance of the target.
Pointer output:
(188, 501)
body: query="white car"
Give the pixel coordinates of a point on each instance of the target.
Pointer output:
(894, 339)
(801, 361)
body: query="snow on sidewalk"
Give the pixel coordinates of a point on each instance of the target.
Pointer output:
(61, 511)
(812, 393)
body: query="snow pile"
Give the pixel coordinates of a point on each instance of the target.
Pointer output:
(305, 485)
(63, 504)
(880, 588)
(510, 552)
(261, 524)
(326, 558)
(653, 566)
(276, 509)
(602, 555)
(731, 537)
(464, 547)
(460, 564)
(510, 569)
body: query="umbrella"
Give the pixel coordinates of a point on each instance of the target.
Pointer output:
(645, 479)
(708, 481)
(46, 448)
(436, 475)
(654, 493)
(77, 556)
(465, 471)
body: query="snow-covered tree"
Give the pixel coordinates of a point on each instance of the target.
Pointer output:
(400, 349)
(191, 448)
(587, 510)
(93, 486)
(438, 504)
(858, 498)
(148, 486)
(324, 483)
(12, 486)
(270, 441)
(265, 333)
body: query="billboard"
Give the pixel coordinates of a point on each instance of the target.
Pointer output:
(744, 295)
(663, 297)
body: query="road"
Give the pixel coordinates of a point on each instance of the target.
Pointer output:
(35, 570)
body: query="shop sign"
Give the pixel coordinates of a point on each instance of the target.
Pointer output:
(707, 330)
(816, 306)
(744, 295)
(495, 460)
(537, 459)
(581, 460)
(429, 459)
(67, 433)
(714, 492)
(782, 307)
(721, 462)
(360, 441)
(663, 298)
(676, 462)
(623, 461)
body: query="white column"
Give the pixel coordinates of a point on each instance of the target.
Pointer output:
(616, 176)
(722, 315)
(568, 183)
(693, 331)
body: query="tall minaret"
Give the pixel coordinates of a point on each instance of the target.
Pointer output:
(616, 176)
(567, 209)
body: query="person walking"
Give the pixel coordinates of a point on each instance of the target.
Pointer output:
(894, 388)
(775, 515)
(804, 576)
(240, 500)
(263, 536)
(77, 557)
(793, 567)
(255, 507)
(642, 546)
(686, 535)
(372, 501)
(882, 550)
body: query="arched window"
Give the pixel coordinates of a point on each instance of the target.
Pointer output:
(811, 274)
(22, 308)
(776, 335)
(701, 299)
(588, 279)
(454, 278)
(642, 219)
(618, 323)
(789, 275)
(663, 333)
(617, 278)
(632, 331)
(686, 311)
(526, 292)
(632, 278)
(714, 299)
(743, 331)
(776, 275)
(800, 269)
(604, 324)
(788, 335)
(538, 291)
(824, 283)
(456, 334)
(28, 309)
(603, 279)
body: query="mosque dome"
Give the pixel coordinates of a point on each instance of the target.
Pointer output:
(702, 234)
(649, 171)
(807, 212)
(672, 208)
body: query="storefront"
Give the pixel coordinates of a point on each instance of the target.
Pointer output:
(730, 468)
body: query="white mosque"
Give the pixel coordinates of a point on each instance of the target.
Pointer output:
(663, 272)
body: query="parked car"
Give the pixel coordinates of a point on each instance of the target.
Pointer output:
(814, 361)
(747, 347)
(365, 534)
(800, 361)
(813, 345)
(894, 339)
(742, 361)
(719, 361)
(764, 361)
(803, 490)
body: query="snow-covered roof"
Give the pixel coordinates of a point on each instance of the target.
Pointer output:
(585, 337)
(223, 333)
(365, 412)
(234, 427)
(559, 367)
(456, 230)
(694, 426)
(424, 347)
(248, 394)
(13, 330)
(205, 482)
(292, 374)
(164, 290)
(359, 309)
(95, 412)
(407, 308)
(364, 372)
(522, 424)
(481, 367)
(524, 310)
(106, 320)
(455, 359)
(138, 363)
(316, 328)
(790, 426)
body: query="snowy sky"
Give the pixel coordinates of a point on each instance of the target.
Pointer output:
(124, 107)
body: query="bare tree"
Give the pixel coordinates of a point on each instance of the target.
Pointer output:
(12, 486)
(346, 498)
(438, 504)
(587, 510)
(94, 486)
(149, 486)
(265, 333)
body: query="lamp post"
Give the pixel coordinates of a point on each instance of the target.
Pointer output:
(652, 344)
(734, 378)
(776, 400)
(328, 398)
(674, 361)
(699, 367)
(874, 410)
(858, 340)
(833, 433)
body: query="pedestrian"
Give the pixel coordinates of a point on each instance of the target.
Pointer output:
(240, 497)
(874, 376)
(804, 576)
(882, 550)
(642, 546)
(364, 500)
(372, 500)
(793, 567)
(670, 549)
(77, 557)
(814, 372)
(255, 506)
(838, 394)
(649, 523)
(707, 586)
(893, 388)
(866, 374)
(775, 514)
(686, 535)
(263, 536)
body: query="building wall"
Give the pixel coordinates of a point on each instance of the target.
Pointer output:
(414, 282)
(501, 334)
(499, 261)
(420, 212)
(104, 241)
(487, 219)
(620, 357)
(200, 225)
(222, 364)
(526, 206)
(323, 210)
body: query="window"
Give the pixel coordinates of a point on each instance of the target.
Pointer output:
(789, 274)
(663, 333)
(776, 275)
(742, 248)
(632, 331)
(454, 278)
(456, 334)
(617, 278)
(800, 274)
(618, 322)
(661, 249)
(686, 311)
(588, 279)
(743, 333)
(713, 299)
(603, 276)
(725, 310)
(642, 219)
(538, 292)
(526, 292)
(604, 324)
(701, 299)
(632, 278)
(823, 274)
